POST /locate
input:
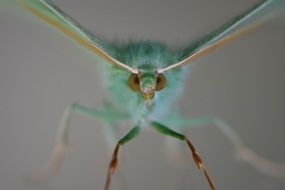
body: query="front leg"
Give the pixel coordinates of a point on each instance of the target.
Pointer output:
(114, 161)
(197, 159)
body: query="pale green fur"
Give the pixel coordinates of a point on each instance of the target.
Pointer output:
(138, 54)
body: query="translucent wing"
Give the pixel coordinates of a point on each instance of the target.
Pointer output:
(49, 12)
(236, 27)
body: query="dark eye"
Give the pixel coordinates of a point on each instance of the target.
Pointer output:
(134, 82)
(160, 82)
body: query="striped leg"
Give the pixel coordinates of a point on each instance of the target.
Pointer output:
(197, 159)
(114, 161)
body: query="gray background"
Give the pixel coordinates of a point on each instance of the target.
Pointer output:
(42, 71)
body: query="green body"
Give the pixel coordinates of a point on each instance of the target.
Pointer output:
(150, 56)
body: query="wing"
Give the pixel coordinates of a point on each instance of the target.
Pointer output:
(49, 12)
(234, 28)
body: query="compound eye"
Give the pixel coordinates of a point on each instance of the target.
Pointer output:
(160, 82)
(134, 82)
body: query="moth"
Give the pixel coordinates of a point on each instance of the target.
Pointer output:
(143, 79)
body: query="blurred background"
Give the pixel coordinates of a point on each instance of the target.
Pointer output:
(42, 71)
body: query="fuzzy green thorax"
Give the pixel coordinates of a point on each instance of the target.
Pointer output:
(134, 92)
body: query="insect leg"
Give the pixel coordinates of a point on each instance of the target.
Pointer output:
(114, 161)
(61, 146)
(197, 159)
(258, 162)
